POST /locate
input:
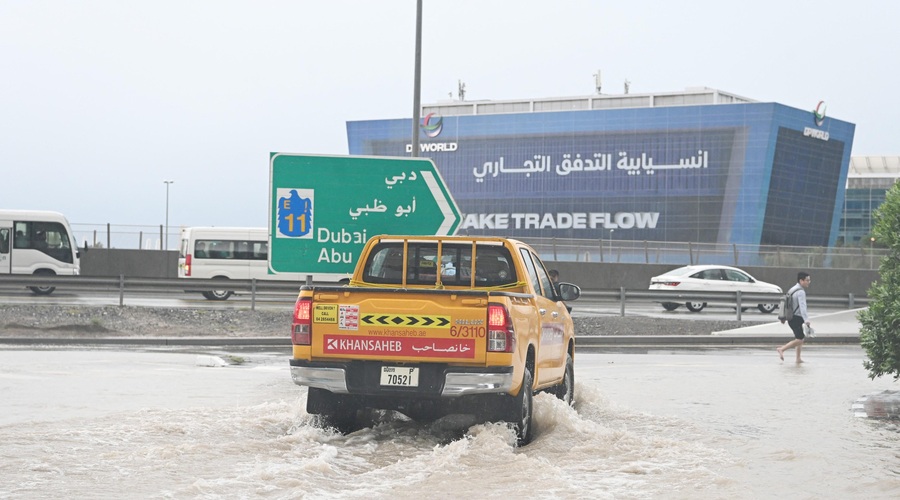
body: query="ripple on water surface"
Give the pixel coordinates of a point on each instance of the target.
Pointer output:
(596, 450)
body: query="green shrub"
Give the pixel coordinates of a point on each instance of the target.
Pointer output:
(880, 323)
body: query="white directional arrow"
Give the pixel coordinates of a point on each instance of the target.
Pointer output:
(442, 203)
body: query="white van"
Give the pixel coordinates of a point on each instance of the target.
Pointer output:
(239, 253)
(37, 242)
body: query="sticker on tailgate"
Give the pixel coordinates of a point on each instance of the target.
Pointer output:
(346, 316)
(414, 320)
(325, 313)
(399, 346)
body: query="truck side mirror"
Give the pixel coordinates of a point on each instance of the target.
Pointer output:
(568, 291)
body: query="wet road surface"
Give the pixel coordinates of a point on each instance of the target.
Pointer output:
(734, 423)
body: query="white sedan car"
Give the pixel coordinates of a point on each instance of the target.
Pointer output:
(710, 279)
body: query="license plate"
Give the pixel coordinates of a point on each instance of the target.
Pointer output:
(399, 376)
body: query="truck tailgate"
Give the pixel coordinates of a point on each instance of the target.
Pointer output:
(400, 325)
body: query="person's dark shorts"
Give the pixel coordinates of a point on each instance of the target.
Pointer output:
(796, 324)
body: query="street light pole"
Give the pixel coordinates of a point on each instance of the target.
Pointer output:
(167, 213)
(610, 244)
(872, 252)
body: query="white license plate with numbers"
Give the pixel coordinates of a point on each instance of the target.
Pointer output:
(400, 376)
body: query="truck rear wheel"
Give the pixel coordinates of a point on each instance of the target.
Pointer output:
(332, 410)
(520, 412)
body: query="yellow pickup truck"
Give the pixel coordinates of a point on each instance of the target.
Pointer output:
(432, 326)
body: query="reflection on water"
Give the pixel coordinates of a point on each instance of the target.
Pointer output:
(663, 425)
(885, 404)
(789, 428)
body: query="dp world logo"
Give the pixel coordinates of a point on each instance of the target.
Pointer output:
(432, 125)
(818, 113)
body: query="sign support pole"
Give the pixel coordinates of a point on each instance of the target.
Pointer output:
(417, 85)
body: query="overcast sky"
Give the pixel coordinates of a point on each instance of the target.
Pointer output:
(103, 100)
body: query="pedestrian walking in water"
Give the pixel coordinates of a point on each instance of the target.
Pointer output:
(800, 317)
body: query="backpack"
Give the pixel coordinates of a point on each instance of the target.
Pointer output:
(787, 307)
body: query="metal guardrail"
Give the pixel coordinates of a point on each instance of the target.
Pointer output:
(259, 290)
(692, 253)
(737, 299)
(122, 286)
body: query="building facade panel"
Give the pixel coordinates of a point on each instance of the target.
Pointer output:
(717, 173)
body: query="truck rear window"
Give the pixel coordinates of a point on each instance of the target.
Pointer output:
(493, 265)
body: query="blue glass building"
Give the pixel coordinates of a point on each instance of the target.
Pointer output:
(868, 182)
(695, 166)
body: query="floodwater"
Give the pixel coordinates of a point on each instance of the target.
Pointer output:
(655, 424)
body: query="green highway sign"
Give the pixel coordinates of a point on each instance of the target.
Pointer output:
(323, 209)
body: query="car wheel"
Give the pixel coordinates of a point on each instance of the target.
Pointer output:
(670, 306)
(43, 290)
(218, 294)
(767, 308)
(695, 306)
(520, 412)
(566, 389)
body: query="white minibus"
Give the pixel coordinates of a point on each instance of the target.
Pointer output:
(37, 242)
(240, 253)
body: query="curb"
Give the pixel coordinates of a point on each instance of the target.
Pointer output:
(707, 340)
(590, 341)
(150, 341)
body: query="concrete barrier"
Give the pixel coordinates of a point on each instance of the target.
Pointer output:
(587, 275)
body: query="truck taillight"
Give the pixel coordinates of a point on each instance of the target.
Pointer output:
(302, 322)
(187, 265)
(501, 335)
